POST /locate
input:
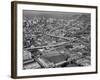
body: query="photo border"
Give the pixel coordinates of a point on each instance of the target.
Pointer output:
(14, 38)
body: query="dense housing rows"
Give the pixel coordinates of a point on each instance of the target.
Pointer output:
(56, 42)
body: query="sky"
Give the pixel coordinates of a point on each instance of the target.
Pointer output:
(53, 14)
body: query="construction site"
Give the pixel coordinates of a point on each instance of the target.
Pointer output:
(53, 40)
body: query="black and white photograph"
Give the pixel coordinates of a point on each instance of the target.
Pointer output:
(56, 39)
(53, 39)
